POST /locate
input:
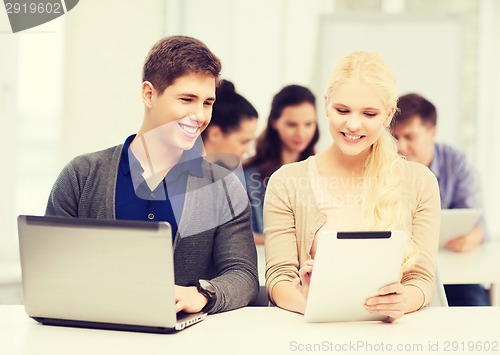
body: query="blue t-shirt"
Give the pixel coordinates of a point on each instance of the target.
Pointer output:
(136, 201)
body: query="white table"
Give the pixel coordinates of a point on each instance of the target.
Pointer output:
(261, 330)
(481, 265)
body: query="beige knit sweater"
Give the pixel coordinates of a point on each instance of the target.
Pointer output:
(292, 218)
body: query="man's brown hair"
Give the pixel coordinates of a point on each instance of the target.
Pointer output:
(411, 105)
(175, 56)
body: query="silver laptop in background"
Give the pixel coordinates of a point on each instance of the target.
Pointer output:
(456, 222)
(104, 274)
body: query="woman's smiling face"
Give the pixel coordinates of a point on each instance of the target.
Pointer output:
(356, 116)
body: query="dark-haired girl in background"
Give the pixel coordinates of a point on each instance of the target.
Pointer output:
(232, 128)
(290, 136)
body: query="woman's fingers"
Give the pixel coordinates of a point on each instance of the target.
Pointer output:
(309, 262)
(305, 271)
(383, 306)
(391, 288)
(390, 298)
(301, 283)
(390, 302)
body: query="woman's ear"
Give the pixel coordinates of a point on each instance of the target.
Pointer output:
(214, 133)
(273, 124)
(327, 103)
(388, 120)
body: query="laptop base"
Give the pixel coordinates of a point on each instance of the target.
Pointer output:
(105, 326)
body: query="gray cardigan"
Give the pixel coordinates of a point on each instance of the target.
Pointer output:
(214, 241)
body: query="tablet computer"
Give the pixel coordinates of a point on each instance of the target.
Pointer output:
(350, 267)
(456, 222)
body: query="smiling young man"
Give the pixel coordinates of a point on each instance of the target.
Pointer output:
(160, 175)
(415, 129)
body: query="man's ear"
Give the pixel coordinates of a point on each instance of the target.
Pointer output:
(214, 133)
(433, 131)
(147, 93)
(389, 118)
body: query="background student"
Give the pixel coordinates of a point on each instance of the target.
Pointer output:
(160, 175)
(232, 127)
(415, 129)
(359, 182)
(290, 136)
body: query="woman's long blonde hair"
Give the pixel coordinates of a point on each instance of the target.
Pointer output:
(385, 204)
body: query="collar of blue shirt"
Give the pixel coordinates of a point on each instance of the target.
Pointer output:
(190, 162)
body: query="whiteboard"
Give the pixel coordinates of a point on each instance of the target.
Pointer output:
(425, 53)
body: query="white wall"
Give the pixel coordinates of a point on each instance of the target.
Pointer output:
(106, 44)
(431, 68)
(8, 141)
(79, 91)
(264, 45)
(40, 100)
(487, 150)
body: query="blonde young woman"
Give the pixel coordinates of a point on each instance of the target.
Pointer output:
(358, 183)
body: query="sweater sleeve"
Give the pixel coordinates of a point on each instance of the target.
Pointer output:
(234, 254)
(65, 194)
(425, 232)
(282, 259)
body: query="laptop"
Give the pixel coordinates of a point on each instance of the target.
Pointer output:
(456, 222)
(350, 267)
(105, 274)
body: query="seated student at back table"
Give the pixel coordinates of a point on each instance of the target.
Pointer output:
(232, 128)
(359, 182)
(290, 136)
(160, 175)
(415, 129)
